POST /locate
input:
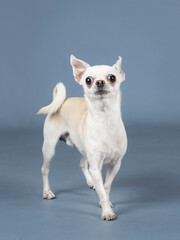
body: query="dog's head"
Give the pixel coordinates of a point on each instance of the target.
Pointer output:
(99, 81)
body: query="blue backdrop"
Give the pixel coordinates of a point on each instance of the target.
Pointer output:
(38, 36)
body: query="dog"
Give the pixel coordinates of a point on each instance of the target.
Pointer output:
(93, 124)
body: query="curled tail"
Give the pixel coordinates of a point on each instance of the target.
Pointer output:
(59, 95)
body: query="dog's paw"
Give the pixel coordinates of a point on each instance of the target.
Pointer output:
(109, 216)
(107, 212)
(48, 195)
(90, 184)
(110, 204)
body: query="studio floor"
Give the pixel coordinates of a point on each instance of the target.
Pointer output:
(145, 193)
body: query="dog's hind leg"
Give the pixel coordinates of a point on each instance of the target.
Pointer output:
(85, 170)
(51, 137)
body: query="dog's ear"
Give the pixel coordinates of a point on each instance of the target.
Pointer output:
(79, 67)
(117, 66)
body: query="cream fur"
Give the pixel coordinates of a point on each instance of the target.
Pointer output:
(59, 95)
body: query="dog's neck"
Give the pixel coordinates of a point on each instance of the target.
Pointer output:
(105, 107)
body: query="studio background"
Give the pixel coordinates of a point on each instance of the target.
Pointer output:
(37, 38)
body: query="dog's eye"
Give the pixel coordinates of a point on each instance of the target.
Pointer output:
(88, 80)
(111, 78)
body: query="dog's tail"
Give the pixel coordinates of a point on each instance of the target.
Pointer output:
(59, 95)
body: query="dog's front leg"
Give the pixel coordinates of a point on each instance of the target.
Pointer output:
(112, 170)
(95, 171)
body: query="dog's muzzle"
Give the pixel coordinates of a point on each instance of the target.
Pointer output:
(100, 84)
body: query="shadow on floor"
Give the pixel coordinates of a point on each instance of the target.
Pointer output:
(135, 192)
(145, 189)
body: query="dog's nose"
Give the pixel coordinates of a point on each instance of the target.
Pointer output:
(100, 83)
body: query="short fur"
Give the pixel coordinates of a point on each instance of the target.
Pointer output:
(92, 123)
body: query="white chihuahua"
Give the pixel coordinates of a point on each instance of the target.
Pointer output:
(92, 123)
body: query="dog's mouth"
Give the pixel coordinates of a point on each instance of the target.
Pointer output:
(101, 92)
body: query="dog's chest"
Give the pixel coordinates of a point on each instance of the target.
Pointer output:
(107, 135)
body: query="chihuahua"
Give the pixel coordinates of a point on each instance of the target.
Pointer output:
(93, 124)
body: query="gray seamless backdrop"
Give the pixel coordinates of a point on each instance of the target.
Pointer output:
(38, 36)
(36, 40)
